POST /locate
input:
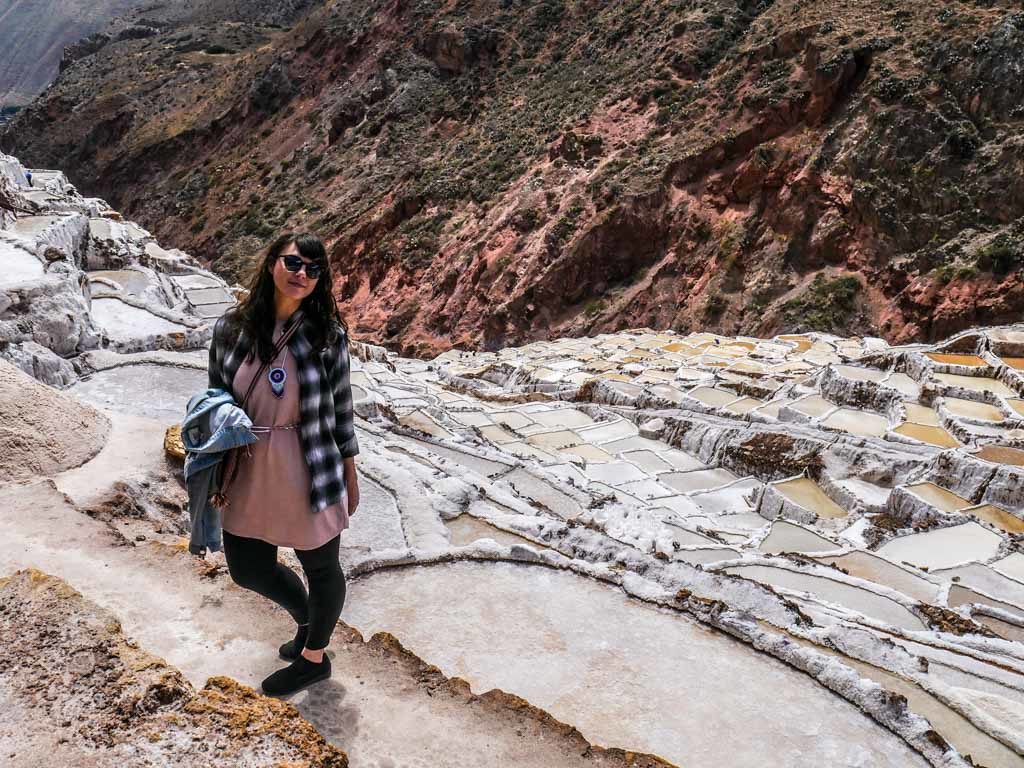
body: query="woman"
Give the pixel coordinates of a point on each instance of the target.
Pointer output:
(296, 486)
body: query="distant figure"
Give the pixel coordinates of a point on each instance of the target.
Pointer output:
(28, 175)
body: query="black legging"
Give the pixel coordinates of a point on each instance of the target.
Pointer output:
(253, 564)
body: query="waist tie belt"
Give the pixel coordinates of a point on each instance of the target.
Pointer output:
(263, 430)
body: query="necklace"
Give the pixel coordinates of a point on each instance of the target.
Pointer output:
(277, 376)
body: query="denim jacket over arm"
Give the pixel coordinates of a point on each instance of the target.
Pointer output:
(213, 425)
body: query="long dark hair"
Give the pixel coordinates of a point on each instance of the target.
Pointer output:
(256, 313)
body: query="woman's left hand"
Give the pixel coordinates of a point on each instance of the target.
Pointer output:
(351, 486)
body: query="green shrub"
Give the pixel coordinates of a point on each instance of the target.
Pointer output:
(825, 305)
(1001, 256)
(252, 224)
(715, 306)
(526, 219)
(563, 228)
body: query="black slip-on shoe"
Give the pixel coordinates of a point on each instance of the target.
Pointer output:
(291, 650)
(297, 676)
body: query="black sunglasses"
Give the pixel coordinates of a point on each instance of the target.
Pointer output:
(294, 263)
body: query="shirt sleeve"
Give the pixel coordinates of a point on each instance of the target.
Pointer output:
(344, 422)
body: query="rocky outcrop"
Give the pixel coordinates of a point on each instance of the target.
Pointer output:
(87, 46)
(272, 89)
(42, 433)
(10, 202)
(453, 49)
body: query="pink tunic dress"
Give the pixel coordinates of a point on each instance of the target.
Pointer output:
(268, 498)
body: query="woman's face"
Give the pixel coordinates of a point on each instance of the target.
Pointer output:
(294, 285)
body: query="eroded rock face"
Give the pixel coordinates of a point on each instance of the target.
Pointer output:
(10, 201)
(453, 49)
(87, 46)
(53, 314)
(76, 691)
(42, 364)
(273, 89)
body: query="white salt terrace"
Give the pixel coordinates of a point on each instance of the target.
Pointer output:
(945, 547)
(717, 500)
(575, 653)
(154, 391)
(126, 323)
(18, 265)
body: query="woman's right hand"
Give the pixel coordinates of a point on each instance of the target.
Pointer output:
(351, 485)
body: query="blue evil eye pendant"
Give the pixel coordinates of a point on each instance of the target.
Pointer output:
(277, 377)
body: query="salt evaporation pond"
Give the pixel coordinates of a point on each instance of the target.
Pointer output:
(787, 537)
(29, 226)
(466, 529)
(153, 391)
(846, 595)
(865, 565)
(124, 322)
(805, 493)
(943, 548)
(621, 671)
(132, 281)
(18, 265)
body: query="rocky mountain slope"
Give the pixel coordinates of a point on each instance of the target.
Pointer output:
(492, 171)
(33, 36)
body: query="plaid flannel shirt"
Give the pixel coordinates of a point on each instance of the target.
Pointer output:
(326, 425)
